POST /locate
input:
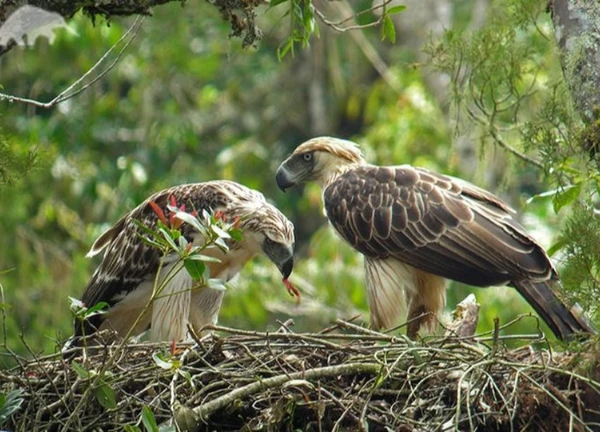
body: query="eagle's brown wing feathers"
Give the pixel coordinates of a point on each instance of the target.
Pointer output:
(433, 223)
(446, 227)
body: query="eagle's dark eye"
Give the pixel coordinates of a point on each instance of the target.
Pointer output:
(269, 241)
(307, 156)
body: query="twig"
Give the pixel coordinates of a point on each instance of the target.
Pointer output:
(317, 338)
(491, 128)
(498, 139)
(369, 50)
(336, 25)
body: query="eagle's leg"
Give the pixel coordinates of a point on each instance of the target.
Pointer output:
(171, 305)
(426, 301)
(415, 319)
(386, 289)
(206, 304)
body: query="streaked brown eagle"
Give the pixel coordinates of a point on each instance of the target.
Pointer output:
(129, 269)
(417, 229)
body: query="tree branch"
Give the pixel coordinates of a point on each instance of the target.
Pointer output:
(206, 409)
(239, 13)
(68, 8)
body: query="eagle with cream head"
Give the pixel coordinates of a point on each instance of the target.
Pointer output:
(128, 272)
(417, 228)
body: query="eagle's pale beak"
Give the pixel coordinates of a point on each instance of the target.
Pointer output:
(286, 267)
(284, 178)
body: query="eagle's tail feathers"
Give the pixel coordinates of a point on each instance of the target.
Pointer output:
(563, 322)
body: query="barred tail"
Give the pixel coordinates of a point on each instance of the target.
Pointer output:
(563, 322)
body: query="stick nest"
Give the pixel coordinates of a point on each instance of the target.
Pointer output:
(343, 378)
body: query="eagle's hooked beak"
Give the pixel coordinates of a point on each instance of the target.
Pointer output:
(284, 177)
(281, 255)
(286, 267)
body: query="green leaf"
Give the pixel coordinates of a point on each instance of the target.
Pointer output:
(187, 376)
(542, 195)
(274, 3)
(131, 428)
(76, 305)
(182, 242)
(144, 228)
(168, 238)
(195, 268)
(150, 238)
(175, 234)
(298, 12)
(562, 242)
(220, 232)
(388, 30)
(217, 284)
(396, 9)
(308, 20)
(153, 243)
(220, 243)
(80, 370)
(189, 219)
(160, 362)
(10, 403)
(96, 309)
(285, 47)
(566, 196)
(236, 234)
(148, 419)
(201, 257)
(105, 395)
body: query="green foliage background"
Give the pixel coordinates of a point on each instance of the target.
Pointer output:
(187, 104)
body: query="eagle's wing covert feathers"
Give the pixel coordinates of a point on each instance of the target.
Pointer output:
(435, 223)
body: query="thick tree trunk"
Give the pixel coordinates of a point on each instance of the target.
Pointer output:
(577, 29)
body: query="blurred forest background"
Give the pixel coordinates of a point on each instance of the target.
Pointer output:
(471, 88)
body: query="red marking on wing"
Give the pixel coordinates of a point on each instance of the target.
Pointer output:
(294, 292)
